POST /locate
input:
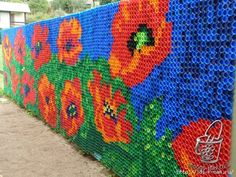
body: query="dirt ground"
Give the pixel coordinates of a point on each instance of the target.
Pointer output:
(28, 148)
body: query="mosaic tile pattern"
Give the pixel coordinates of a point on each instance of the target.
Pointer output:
(146, 87)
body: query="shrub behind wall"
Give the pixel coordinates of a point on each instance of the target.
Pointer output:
(134, 83)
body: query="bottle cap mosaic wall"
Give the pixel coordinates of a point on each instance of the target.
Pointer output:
(146, 87)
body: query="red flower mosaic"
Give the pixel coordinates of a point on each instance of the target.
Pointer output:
(27, 89)
(72, 113)
(19, 47)
(41, 52)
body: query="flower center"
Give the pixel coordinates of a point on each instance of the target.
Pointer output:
(109, 111)
(47, 100)
(20, 51)
(38, 47)
(6, 46)
(69, 45)
(26, 89)
(72, 111)
(143, 37)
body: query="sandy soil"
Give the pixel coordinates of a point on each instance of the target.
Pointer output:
(28, 148)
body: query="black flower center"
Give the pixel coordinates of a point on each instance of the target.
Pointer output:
(6, 46)
(47, 100)
(26, 89)
(143, 37)
(110, 112)
(72, 111)
(69, 45)
(20, 51)
(38, 47)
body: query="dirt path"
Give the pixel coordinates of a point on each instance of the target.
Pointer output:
(28, 148)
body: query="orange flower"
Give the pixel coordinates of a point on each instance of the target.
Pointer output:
(47, 104)
(14, 79)
(68, 43)
(72, 113)
(142, 39)
(7, 50)
(110, 123)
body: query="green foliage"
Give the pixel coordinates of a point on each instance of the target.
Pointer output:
(66, 5)
(40, 9)
(37, 6)
(13, 0)
(37, 17)
(1, 92)
(44, 9)
(144, 156)
(58, 13)
(79, 6)
(102, 2)
(158, 156)
(69, 6)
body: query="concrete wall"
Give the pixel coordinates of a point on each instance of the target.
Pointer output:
(4, 20)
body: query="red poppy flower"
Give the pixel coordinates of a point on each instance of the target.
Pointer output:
(14, 79)
(68, 43)
(142, 39)
(41, 52)
(193, 158)
(7, 50)
(110, 123)
(47, 103)
(72, 113)
(5, 79)
(19, 47)
(27, 89)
